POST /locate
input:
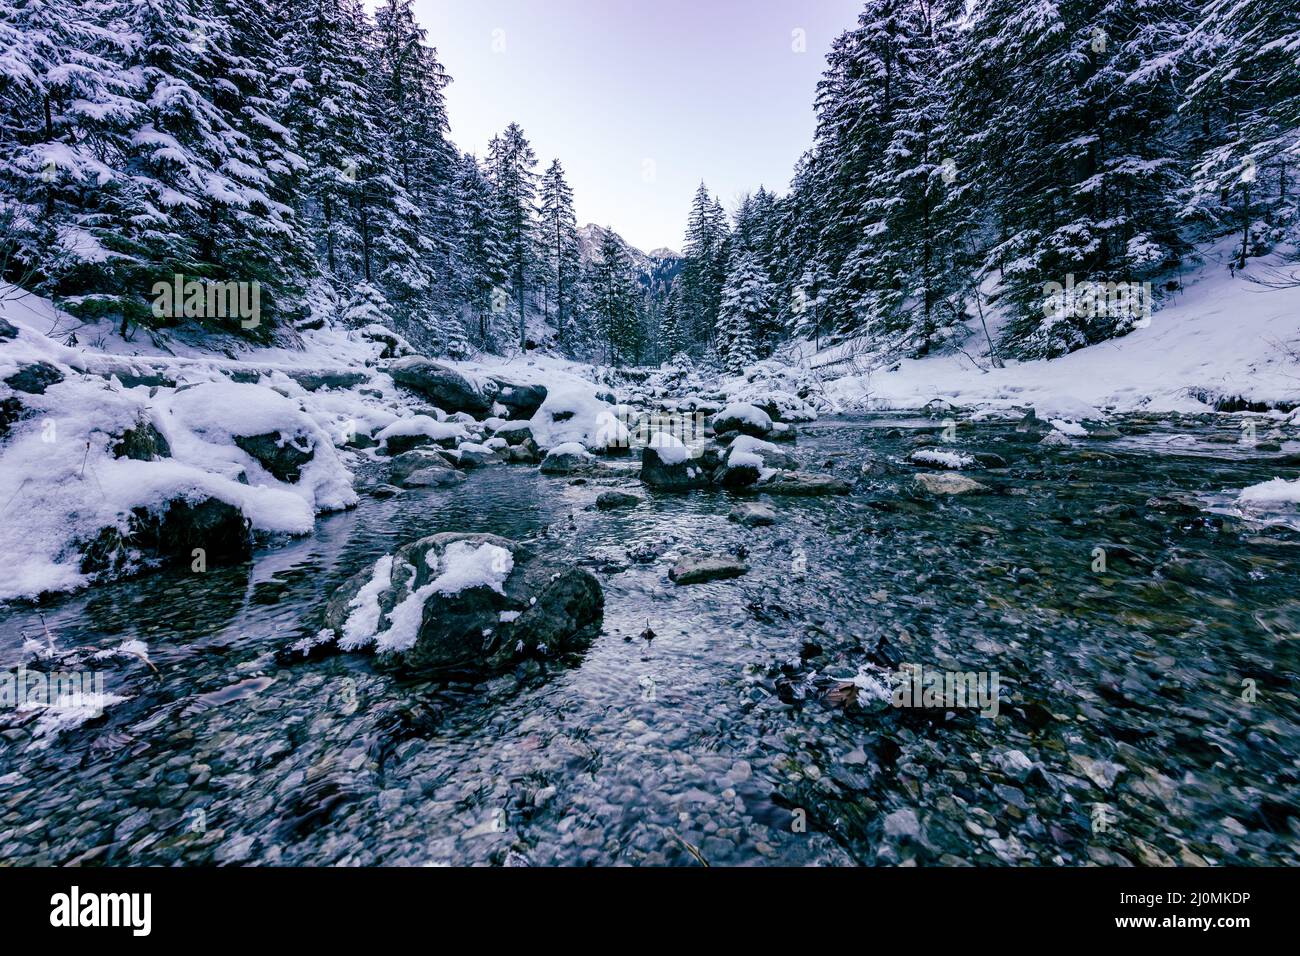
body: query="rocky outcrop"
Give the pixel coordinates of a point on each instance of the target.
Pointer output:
(743, 418)
(443, 385)
(315, 381)
(465, 602)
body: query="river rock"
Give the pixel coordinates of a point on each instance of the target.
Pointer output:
(465, 601)
(428, 471)
(949, 483)
(283, 457)
(752, 514)
(443, 385)
(419, 459)
(34, 379)
(698, 568)
(803, 484)
(608, 500)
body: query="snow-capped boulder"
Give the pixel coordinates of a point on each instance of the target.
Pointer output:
(464, 601)
(571, 413)
(744, 418)
(444, 386)
(568, 459)
(407, 433)
(671, 467)
(770, 455)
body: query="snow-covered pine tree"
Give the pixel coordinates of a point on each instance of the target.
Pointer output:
(1244, 58)
(745, 307)
(672, 338)
(615, 300)
(331, 113)
(481, 252)
(513, 167)
(559, 236)
(415, 208)
(1068, 109)
(68, 109)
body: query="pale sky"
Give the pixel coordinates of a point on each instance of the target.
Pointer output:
(640, 99)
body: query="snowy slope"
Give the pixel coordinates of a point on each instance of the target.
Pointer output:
(1222, 337)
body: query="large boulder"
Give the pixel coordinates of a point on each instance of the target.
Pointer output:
(672, 468)
(460, 601)
(520, 401)
(281, 455)
(443, 385)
